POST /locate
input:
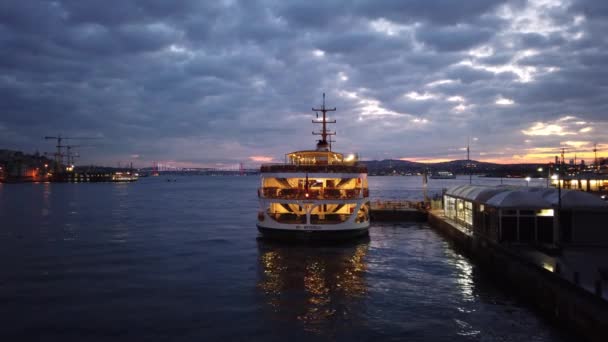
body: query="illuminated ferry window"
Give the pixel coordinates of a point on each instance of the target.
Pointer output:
(287, 213)
(332, 213)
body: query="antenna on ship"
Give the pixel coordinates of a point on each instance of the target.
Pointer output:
(322, 145)
(330, 141)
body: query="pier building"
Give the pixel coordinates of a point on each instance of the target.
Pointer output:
(529, 215)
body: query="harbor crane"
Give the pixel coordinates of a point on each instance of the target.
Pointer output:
(59, 155)
(71, 156)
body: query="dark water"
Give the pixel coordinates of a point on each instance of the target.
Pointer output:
(180, 261)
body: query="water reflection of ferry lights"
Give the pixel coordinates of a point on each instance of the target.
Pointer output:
(312, 286)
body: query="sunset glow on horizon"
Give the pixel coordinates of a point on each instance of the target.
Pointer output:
(231, 82)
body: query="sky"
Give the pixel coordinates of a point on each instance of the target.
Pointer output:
(217, 83)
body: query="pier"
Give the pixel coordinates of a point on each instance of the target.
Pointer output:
(562, 273)
(398, 211)
(541, 284)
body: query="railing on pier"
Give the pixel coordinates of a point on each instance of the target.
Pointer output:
(405, 204)
(396, 204)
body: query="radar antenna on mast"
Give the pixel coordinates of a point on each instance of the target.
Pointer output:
(322, 144)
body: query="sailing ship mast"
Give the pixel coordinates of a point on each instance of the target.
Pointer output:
(322, 145)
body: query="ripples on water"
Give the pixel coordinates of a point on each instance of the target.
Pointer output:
(182, 261)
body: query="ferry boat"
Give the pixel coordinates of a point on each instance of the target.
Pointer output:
(124, 177)
(315, 194)
(443, 175)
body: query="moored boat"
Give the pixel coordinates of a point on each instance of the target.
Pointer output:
(443, 175)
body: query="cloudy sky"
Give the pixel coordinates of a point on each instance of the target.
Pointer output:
(221, 82)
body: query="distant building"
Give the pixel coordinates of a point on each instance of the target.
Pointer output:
(17, 166)
(529, 215)
(586, 181)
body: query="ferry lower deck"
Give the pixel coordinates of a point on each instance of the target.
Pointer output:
(319, 204)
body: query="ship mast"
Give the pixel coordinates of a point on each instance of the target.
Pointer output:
(322, 145)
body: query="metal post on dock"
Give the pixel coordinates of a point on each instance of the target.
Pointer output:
(424, 186)
(468, 166)
(559, 185)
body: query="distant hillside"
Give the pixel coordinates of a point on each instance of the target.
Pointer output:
(389, 165)
(392, 166)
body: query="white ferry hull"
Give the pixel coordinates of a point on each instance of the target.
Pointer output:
(313, 234)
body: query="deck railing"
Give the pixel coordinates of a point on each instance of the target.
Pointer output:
(327, 193)
(333, 168)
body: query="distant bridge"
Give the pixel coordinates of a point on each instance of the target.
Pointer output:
(232, 169)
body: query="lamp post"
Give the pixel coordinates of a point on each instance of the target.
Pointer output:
(528, 181)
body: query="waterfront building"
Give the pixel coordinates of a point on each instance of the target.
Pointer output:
(529, 215)
(590, 182)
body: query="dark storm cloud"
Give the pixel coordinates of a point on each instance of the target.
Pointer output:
(455, 38)
(201, 82)
(440, 12)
